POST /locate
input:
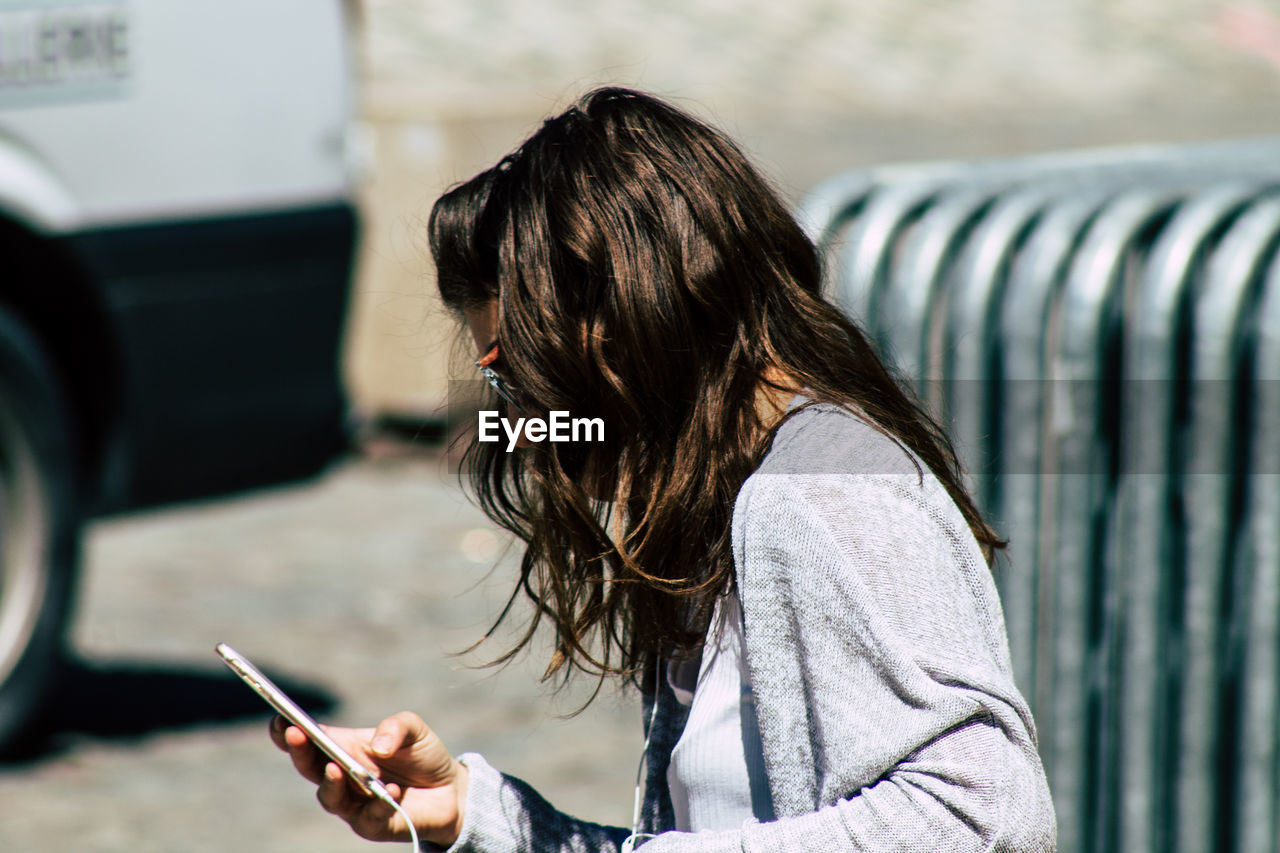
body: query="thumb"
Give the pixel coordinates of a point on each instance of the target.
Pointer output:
(398, 732)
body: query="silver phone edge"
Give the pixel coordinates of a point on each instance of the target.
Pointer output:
(259, 683)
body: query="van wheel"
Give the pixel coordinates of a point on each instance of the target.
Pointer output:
(38, 527)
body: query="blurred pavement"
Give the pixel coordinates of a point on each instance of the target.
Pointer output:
(350, 592)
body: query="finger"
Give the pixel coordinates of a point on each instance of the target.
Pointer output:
(333, 794)
(307, 760)
(374, 820)
(276, 729)
(398, 731)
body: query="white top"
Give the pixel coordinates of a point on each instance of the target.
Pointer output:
(716, 775)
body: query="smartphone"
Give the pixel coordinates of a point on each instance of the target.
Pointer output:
(252, 676)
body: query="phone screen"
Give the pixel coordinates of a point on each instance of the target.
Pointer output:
(263, 686)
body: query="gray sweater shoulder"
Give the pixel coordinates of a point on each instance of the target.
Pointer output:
(876, 642)
(822, 438)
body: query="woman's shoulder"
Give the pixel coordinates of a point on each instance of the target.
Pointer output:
(841, 522)
(829, 466)
(825, 438)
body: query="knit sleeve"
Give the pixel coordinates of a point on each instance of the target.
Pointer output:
(505, 815)
(876, 648)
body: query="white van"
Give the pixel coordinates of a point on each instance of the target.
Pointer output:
(176, 244)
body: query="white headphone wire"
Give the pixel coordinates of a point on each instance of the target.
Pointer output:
(629, 843)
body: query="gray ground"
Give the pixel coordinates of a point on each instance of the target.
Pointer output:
(351, 591)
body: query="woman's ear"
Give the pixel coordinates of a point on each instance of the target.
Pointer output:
(482, 320)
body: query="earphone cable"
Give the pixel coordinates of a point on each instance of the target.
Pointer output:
(629, 843)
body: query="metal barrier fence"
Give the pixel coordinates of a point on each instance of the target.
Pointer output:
(1101, 334)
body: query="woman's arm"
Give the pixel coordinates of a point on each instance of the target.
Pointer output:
(926, 803)
(881, 672)
(506, 815)
(458, 804)
(920, 805)
(877, 653)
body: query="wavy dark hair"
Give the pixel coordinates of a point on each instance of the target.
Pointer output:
(646, 274)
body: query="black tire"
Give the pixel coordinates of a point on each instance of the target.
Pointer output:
(39, 528)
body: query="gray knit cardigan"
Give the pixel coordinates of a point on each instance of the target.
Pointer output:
(877, 652)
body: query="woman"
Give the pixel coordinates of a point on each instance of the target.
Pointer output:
(771, 541)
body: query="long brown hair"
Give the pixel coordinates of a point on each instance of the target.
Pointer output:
(646, 274)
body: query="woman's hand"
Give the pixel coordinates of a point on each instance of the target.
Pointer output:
(407, 756)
